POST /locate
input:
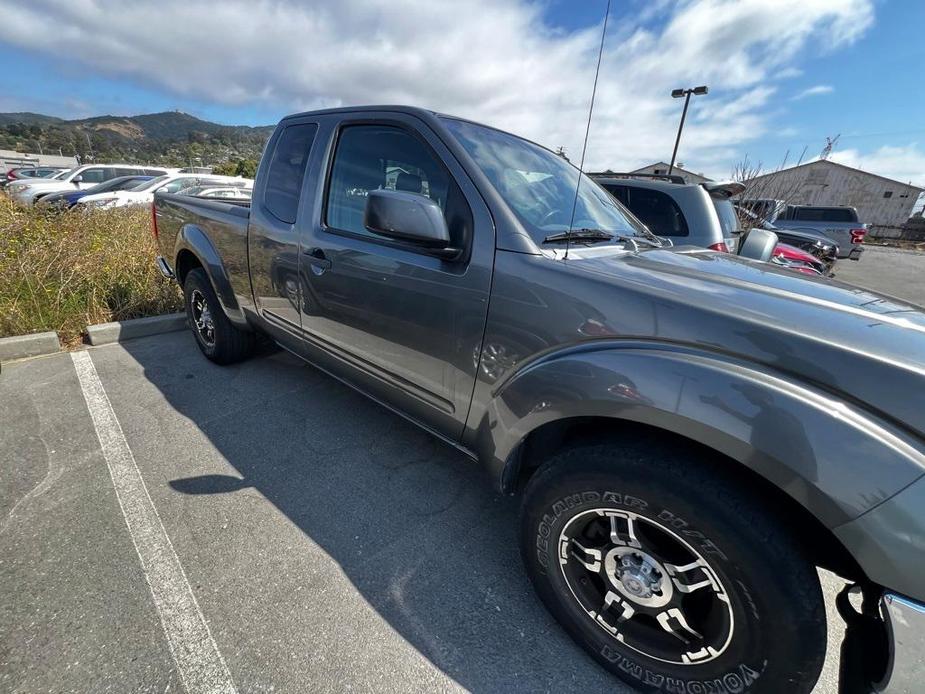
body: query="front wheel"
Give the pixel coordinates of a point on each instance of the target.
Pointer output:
(671, 577)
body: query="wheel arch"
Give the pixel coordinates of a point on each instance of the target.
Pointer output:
(823, 458)
(194, 249)
(821, 544)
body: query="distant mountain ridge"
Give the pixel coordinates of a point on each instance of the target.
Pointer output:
(28, 118)
(168, 137)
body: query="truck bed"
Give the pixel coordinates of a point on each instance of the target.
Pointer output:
(222, 222)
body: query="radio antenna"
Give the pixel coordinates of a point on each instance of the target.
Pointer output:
(584, 146)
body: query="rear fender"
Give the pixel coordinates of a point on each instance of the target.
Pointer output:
(193, 239)
(835, 459)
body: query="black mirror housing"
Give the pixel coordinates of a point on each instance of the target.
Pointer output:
(410, 217)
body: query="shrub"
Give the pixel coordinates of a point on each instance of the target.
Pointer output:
(63, 271)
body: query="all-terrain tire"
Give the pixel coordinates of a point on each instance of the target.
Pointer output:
(648, 509)
(218, 339)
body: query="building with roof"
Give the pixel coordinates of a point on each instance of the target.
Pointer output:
(883, 203)
(11, 160)
(661, 168)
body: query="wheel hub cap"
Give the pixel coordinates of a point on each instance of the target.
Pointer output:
(638, 576)
(645, 586)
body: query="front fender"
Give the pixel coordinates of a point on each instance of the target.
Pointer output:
(193, 239)
(836, 459)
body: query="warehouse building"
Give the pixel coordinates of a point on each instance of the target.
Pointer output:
(660, 168)
(883, 203)
(11, 160)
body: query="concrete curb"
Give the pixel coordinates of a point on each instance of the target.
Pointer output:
(107, 333)
(34, 345)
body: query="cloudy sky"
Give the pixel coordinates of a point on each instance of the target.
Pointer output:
(782, 75)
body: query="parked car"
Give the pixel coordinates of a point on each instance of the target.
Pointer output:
(797, 259)
(225, 192)
(83, 177)
(69, 198)
(697, 214)
(821, 247)
(20, 173)
(171, 183)
(692, 432)
(14, 183)
(840, 224)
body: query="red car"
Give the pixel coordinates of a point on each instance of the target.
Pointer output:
(797, 259)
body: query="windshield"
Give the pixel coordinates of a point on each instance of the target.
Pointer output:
(539, 186)
(63, 174)
(150, 185)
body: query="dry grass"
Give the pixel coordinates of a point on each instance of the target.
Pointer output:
(64, 271)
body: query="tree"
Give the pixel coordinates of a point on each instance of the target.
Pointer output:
(246, 168)
(226, 168)
(236, 167)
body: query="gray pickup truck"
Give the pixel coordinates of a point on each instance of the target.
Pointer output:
(841, 224)
(692, 433)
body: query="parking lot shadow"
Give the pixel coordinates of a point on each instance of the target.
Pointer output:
(411, 522)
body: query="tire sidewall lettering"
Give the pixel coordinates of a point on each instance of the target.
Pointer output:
(738, 679)
(735, 681)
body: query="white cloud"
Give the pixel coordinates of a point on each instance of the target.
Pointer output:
(491, 60)
(906, 164)
(818, 90)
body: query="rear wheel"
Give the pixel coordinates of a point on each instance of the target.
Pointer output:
(218, 339)
(670, 576)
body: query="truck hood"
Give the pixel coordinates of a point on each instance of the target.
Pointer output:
(868, 347)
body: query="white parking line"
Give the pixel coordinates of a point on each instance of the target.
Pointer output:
(201, 666)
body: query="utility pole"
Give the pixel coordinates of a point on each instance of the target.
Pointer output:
(677, 94)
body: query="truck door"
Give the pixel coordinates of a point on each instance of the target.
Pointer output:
(273, 240)
(399, 321)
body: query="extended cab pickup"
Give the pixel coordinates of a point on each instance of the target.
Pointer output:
(840, 224)
(692, 432)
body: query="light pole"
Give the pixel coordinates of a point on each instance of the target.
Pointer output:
(677, 94)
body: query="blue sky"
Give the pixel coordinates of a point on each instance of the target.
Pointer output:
(524, 66)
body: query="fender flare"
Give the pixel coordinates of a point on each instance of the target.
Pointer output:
(193, 239)
(835, 458)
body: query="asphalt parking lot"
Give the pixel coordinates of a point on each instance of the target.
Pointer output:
(273, 531)
(899, 273)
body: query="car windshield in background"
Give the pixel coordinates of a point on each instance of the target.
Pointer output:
(150, 185)
(146, 184)
(539, 186)
(61, 175)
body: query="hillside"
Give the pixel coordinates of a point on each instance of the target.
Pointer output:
(171, 138)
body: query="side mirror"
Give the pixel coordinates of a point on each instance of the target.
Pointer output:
(758, 244)
(77, 179)
(407, 217)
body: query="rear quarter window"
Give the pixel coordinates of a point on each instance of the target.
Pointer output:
(658, 211)
(285, 171)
